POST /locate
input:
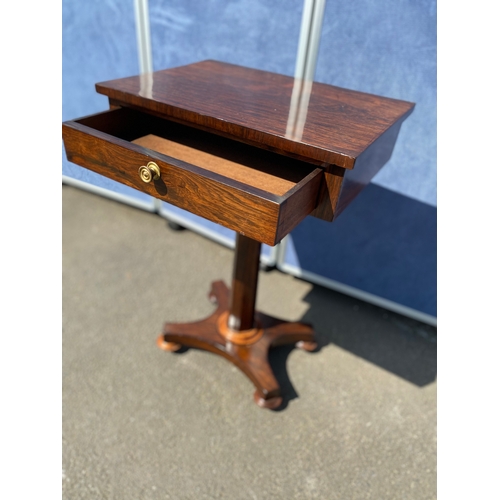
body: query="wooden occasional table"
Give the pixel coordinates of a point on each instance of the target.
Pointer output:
(253, 151)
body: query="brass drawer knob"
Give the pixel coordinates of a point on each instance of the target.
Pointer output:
(149, 172)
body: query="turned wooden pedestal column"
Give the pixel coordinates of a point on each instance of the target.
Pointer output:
(239, 333)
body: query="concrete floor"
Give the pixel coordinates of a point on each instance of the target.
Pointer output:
(359, 419)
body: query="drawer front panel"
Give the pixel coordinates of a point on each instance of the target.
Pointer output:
(247, 210)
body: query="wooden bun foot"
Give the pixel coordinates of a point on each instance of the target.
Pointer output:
(270, 404)
(167, 346)
(249, 352)
(306, 346)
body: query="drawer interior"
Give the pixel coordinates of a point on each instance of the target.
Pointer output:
(256, 192)
(261, 169)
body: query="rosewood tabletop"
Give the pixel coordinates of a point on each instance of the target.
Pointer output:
(312, 121)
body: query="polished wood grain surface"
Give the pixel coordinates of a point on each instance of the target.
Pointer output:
(252, 357)
(105, 144)
(368, 164)
(255, 107)
(244, 286)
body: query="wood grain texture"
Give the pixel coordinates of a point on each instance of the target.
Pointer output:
(231, 122)
(301, 201)
(103, 144)
(244, 286)
(368, 164)
(329, 194)
(217, 163)
(253, 106)
(251, 359)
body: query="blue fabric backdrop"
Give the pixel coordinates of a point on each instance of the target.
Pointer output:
(385, 242)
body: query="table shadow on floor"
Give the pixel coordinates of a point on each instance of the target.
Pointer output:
(400, 345)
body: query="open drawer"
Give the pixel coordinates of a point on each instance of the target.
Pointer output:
(260, 194)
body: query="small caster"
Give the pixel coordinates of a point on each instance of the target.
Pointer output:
(174, 226)
(265, 268)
